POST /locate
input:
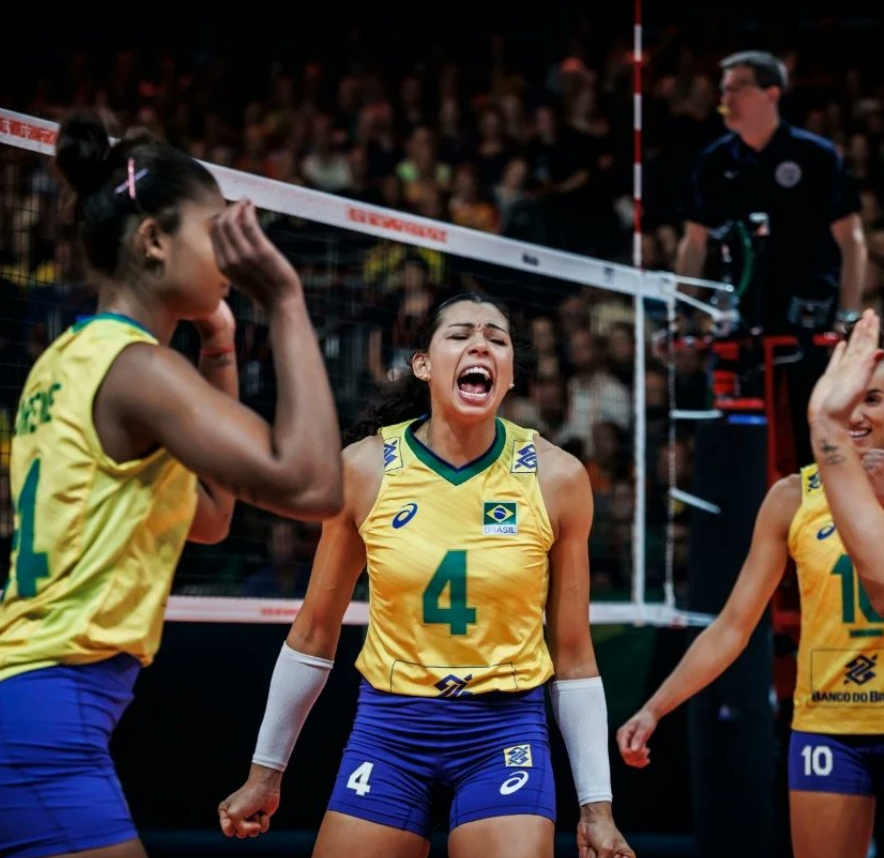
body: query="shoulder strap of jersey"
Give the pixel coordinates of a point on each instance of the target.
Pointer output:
(811, 482)
(394, 441)
(522, 448)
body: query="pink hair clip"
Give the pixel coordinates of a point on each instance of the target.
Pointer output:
(131, 179)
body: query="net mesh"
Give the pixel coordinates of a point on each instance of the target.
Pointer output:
(369, 274)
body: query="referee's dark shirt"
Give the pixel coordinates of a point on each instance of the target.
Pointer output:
(799, 180)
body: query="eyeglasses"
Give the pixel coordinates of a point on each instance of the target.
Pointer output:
(738, 87)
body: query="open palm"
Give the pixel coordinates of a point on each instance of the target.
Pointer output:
(846, 378)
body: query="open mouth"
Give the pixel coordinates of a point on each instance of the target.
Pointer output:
(475, 383)
(859, 435)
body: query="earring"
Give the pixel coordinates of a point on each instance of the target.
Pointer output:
(512, 385)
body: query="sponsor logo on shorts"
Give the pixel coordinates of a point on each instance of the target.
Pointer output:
(518, 757)
(500, 517)
(514, 784)
(454, 686)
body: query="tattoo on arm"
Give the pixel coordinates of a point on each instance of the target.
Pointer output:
(831, 456)
(221, 360)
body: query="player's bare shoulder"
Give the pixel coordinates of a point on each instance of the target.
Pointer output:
(564, 481)
(786, 493)
(782, 502)
(558, 467)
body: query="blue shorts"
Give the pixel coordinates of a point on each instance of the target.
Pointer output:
(488, 754)
(823, 762)
(59, 791)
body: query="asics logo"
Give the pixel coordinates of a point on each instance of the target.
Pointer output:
(514, 784)
(406, 514)
(826, 532)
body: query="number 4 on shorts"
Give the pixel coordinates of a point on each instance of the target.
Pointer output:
(359, 779)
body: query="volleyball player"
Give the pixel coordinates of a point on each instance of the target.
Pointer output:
(471, 527)
(830, 521)
(122, 451)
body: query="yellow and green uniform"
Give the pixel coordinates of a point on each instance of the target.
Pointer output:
(96, 541)
(840, 685)
(458, 569)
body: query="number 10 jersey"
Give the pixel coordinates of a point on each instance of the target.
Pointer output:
(840, 683)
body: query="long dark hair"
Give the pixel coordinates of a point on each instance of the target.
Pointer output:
(409, 397)
(114, 187)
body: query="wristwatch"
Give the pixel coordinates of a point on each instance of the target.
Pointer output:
(848, 317)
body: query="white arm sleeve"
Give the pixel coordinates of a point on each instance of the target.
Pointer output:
(296, 683)
(582, 715)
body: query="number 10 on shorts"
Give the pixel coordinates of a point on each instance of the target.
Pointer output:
(817, 760)
(359, 779)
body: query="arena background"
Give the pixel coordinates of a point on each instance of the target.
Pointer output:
(217, 85)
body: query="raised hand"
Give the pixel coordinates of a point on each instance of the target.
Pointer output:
(250, 259)
(846, 379)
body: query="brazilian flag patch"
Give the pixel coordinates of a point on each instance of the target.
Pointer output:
(500, 517)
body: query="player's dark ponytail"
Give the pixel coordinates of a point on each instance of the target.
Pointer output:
(115, 186)
(81, 152)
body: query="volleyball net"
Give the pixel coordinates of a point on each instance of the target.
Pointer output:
(597, 378)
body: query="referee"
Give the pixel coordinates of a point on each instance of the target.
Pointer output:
(789, 195)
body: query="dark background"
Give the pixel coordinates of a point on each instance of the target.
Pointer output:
(186, 741)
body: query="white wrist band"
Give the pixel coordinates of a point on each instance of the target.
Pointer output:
(582, 716)
(297, 681)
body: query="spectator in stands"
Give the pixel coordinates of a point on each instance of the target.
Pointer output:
(466, 205)
(594, 395)
(561, 160)
(325, 167)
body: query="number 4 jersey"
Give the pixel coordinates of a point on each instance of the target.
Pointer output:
(458, 569)
(840, 686)
(96, 541)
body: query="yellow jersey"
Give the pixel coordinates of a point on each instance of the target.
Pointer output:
(840, 684)
(96, 541)
(458, 569)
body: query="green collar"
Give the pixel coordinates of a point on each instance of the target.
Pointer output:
(116, 317)
(455, 476)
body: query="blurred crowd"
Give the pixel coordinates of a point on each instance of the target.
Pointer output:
(540, 152)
